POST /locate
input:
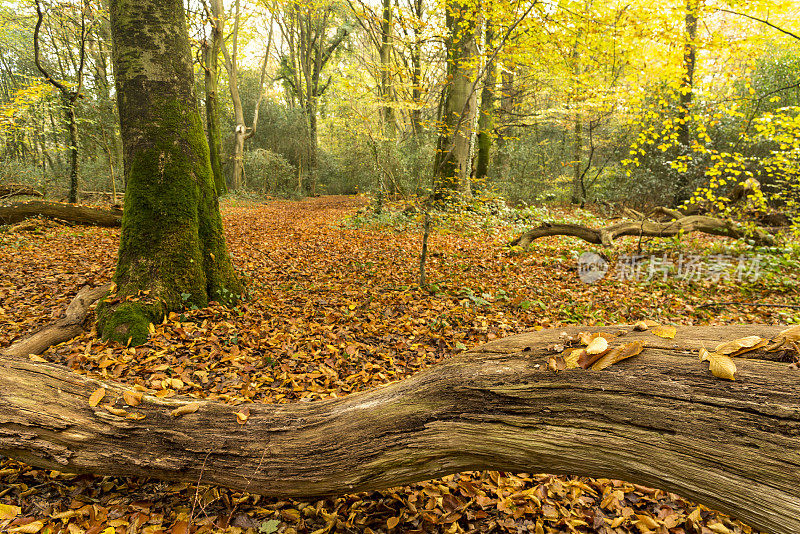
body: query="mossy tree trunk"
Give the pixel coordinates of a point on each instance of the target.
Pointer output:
(172, 242)
(452, 165)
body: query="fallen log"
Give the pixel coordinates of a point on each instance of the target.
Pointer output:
(18, 190)
(605, 236)
(19, 211)
(62, 330)
(658, 419)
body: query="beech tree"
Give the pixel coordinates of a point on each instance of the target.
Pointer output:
(172, 251)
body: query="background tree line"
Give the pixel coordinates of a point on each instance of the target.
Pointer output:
(572, 100)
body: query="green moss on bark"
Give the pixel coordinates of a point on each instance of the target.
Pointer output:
(172, 243)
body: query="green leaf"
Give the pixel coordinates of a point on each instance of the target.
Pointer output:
(269, 526)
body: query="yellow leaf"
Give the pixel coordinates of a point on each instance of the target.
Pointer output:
(597, 345)
(151, 329)
(641, 326)
(30, 528)
(109, 530)
(740, 346)
(8, 511)
(571, 357)
(618, 354)
(719, 528)
(185, 409)
(667, 332)
(96, 397)
(722, 366)
(392, 522)
(132, 398)
(704, 355)
(646, 521)
(136, 416)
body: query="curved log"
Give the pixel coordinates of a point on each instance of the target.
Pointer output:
(65, 328)
(659, 419)
(606, 236)
(19, 211)
(14, 190)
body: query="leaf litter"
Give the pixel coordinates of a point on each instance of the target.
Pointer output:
(333, 310)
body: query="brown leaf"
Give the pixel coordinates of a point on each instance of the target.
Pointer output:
(392, 522)
(556, 363)
(242, 414)
(618, 354)
(132, 398)
(185, 409)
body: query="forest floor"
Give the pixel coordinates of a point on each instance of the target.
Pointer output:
(334, 307)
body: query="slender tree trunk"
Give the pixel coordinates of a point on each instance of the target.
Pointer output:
(452, 164)
(172, 243)
(506, 110)
(486, 118)
(576, 196)
(72, 139)
(687, 93)
(211, 78)
(387, 112)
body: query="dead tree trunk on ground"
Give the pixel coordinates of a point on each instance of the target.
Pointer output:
(19, 211)
(18, 190)
(605, 236)
(658, 419)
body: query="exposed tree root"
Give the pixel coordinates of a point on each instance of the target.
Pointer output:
(19, 211)
(62, 330)
(679, 224)
(659, 419)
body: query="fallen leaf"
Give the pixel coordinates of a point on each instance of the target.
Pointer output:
(8, 511)
(667, 332)
(640, 326)
(556, 363)
(96, 397)
(242, 414)
(597, 346)
(722, 366)
(132, 398)
(185, 409)
(618, 354)
(29, 528)
(740, 346)
(392, 522)
(116, 411)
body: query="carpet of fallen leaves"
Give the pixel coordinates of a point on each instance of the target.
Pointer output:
(334, 308)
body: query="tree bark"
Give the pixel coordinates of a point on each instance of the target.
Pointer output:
(486, 117)
(19, 211)
(686, 90)
(605, 236)
(452, 164)
(659, 419)
(172, 242)
(211, 52)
